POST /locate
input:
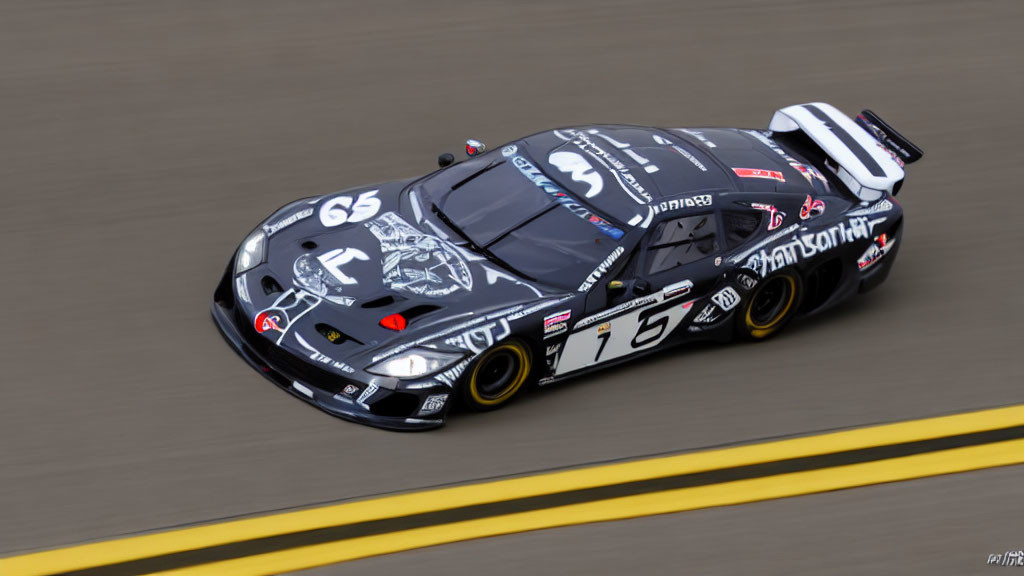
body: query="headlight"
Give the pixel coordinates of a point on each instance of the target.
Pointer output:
(414, 363)
(252, 252)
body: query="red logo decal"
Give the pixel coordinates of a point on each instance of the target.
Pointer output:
(266, 322)
(811, 208)
(775, 216)
(759, 173)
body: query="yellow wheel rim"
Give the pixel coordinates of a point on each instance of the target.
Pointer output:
(762, 330)
(524, 370)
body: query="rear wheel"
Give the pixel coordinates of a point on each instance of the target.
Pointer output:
(771, 306)
(496, 376)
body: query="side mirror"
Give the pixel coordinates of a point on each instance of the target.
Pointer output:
(616, 288)
(474, 147)
(445, 160)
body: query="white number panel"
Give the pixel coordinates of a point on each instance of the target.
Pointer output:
(623, 330)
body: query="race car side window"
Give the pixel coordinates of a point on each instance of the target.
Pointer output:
(681, 241)
(740, 225)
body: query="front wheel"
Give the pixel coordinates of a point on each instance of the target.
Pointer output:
(496, 376)
(771, 306)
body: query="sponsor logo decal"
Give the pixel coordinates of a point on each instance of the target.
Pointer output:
(891, 154)
(604, 327)
(579, 169)
(556, 192)
(557, 323)
(601, 269)
(810, 173)
(811, 208)
(267, 321)
(616, 167)
(880, 135)
(433, 404)
(271, 229)
(616, 309)
(449, 376)
(775, 216)
(699, 201)
(350, 389)
(726, 298)
(746, 281)
(480, 338)
(551, 356)
(368, 392)
(880, 247)
(759, 173)
(765, 261)
(707, 315)
(285, 311)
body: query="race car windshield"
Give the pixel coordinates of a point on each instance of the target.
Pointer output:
(512, 212)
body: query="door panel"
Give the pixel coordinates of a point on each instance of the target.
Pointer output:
(630, 327)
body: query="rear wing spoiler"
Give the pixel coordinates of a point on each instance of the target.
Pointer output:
(867, 155)
(889, 137)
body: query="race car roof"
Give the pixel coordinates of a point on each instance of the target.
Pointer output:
(622, 170)
(633, 165)
(613, 177)
(758, 163)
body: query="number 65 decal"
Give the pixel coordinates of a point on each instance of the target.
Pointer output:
(340, 209)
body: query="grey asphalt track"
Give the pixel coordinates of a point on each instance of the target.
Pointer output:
(139, 142)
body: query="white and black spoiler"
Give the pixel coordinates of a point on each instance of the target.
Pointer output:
(868, 156)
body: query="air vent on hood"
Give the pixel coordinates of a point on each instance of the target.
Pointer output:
(270, 286)
(309, 245)
(381, 302)
(333, 335)
(417, 311)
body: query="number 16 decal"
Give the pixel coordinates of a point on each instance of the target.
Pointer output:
(645, 326)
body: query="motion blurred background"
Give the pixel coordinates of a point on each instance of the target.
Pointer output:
(139, 142)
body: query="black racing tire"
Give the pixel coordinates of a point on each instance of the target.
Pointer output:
(497, 376)
(772, 304)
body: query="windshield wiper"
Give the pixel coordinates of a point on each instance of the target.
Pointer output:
(479, 249)
(492, 164)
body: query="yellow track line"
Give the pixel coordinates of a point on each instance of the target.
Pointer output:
(145, 546)
(729, 493)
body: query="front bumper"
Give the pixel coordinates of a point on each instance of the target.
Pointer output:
(382, 406)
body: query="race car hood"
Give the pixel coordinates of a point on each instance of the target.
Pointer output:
(338, 265)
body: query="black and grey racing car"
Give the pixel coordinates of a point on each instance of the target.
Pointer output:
(561, 253)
